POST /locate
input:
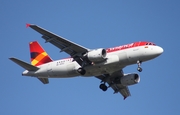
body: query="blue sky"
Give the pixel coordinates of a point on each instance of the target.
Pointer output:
(93, 24)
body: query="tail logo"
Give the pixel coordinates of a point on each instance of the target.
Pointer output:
(38, 55)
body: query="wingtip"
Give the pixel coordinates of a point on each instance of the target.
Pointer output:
(27, 25)
(11, 58)
(125, 98)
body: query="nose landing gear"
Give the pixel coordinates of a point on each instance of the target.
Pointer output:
(139, 69)
(139, 66)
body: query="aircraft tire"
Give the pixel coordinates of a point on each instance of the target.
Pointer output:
(81, 71)
(103, 87)
(139, 69)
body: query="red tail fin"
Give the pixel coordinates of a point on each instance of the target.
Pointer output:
(38, 54)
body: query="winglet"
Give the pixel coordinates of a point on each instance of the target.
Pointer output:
(27, 25)
(125, 98)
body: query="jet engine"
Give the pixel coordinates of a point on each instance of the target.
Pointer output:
(130, 79)
(97, 55)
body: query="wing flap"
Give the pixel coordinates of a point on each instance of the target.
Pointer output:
(123, 90)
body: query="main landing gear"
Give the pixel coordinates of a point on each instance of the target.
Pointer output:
(103, 87)
(81, 71)
(139, 66)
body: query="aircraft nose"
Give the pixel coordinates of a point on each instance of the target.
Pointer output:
(159, 50)
(153, 52)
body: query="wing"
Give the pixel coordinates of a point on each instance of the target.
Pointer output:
(117, 87)
(124, 90)
(71, 48)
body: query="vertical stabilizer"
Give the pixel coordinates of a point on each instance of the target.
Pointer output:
(38, 54)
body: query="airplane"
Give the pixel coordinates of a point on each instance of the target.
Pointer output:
(105, 64)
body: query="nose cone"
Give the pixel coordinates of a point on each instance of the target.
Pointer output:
(159, 50)
(152, 52)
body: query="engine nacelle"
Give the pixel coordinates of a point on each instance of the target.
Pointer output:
(130, 79)
(97, 55)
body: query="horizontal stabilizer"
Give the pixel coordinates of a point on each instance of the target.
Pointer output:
(44, 80)
(25, 65)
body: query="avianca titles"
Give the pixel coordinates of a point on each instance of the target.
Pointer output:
(105, 64)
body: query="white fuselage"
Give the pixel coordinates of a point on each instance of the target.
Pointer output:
(115, 60)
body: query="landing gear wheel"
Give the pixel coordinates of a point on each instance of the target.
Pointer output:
(139, 66)
(81, 71)
(139, 69)
(103, 87)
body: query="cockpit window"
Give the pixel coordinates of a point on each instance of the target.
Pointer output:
(150, 43)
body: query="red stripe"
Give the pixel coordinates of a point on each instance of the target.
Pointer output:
(127, 46)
